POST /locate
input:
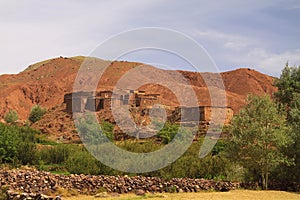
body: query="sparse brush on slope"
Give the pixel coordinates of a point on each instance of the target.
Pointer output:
(36, 113)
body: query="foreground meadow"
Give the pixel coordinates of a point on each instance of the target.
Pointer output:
(237, 194)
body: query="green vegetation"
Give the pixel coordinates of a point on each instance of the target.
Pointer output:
(93, 133)
(17, 145)
(258, 134)
(25, 146)
(11, 117)
(288, 97)
(168, 132)
(37, 112)
(37, 65)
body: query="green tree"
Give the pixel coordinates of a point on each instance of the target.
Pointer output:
(257, 136)
(11, 117)
(8, 144)
(17, 144)
(37, 112)
(288, 95)
(288, 88)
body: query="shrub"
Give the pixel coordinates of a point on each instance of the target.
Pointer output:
(26, 153)
(8, 144)
(17, 144)
(11, 117)
(37, 112)
(91, 132)
(56, 154)
(82, 162)
(108, 130)
(168, 132)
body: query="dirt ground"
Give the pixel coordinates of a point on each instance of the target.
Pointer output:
(232, 195)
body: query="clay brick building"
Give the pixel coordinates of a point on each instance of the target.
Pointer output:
(202, 113)
(76, 102)
(80, 101)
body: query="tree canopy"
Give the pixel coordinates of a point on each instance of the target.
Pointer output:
(288, 96)
(257, 136)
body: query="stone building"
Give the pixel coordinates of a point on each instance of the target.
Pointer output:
(99, 101)
(80, 101)
(76, 102)
(202, 114)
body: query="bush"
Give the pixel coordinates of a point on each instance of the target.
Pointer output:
(11, 117)
(168, 132)
(56, 154)
(17, 145)
(37, 112)
(108, 130)
(91, 132)
(8, 144)
(82, 162)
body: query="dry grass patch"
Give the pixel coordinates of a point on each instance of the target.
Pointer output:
(232, 195)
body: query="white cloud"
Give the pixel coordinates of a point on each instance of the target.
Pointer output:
(228, 41)
(265, 61)
(274, 63)
(243, 51)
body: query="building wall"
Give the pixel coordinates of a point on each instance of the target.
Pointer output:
(75, 105)
(90, 105)
(220, 113)
(190, 114)
(107, 103)
(68, 103)
(202, 113)
(147, 102)
(103, 100)
(76, 102)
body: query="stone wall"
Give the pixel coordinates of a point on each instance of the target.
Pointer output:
(36, 182)
(13, 195)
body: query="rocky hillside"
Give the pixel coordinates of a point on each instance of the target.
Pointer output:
(46, 82)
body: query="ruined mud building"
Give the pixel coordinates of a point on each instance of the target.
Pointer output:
(80, 101)
(101, 100)
(222, 114)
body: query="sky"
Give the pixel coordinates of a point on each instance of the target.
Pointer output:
(262, 35)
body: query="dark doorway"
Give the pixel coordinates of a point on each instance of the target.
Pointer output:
(101, 104)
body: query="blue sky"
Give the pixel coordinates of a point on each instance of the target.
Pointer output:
(262, 35)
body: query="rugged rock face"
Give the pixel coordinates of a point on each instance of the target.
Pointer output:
(36, 182)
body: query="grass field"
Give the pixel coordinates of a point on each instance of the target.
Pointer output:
(235, 195)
